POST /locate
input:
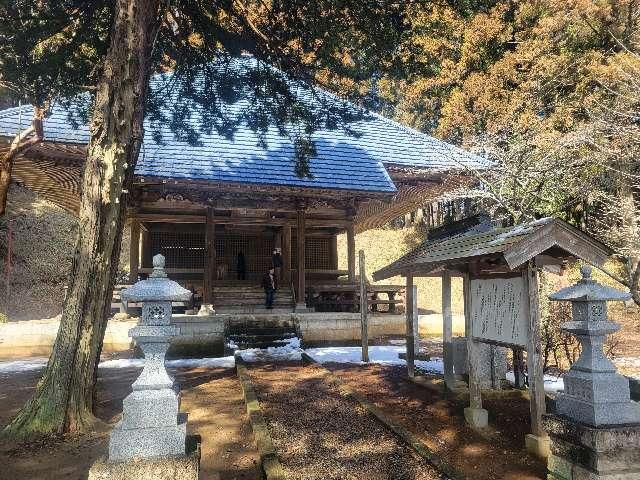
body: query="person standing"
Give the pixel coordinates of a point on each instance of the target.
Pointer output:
(276, 262)
(241, 266)
(270, 285)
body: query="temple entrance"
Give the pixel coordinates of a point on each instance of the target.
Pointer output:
(256, 248)
(183, 246)
(203, 256)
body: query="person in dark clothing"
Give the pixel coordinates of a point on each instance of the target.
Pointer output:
(276, 262)
(241, 266)
(270, 285)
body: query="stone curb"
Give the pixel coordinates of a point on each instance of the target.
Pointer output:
(405, 435)
(268, 456)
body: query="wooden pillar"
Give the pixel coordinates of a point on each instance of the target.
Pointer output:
(518, 367)
(333, 252)
(301, 237)
(286, 254)
(134, 250)
(447, 331)
(535, 361)
(409, 327)
(351, 252)
(364, 308)
(210, 264)
(475, 415)
(146, 248)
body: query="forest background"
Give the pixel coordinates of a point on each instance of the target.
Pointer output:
(549, 90)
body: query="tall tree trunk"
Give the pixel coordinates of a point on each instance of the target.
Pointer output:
(22, 142)
(63, 400)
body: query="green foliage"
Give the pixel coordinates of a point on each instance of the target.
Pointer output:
(51, 49)
(548, 90)
(54, 50)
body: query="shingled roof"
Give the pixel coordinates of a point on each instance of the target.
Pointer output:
(514, 245)
(343, 161)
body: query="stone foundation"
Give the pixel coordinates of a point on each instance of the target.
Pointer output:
(581, 452)
(36, 337)
(199, 335)
(173, 468)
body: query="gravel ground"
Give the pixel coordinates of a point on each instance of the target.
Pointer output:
(212, 397)
(321, 435)
(440, 423)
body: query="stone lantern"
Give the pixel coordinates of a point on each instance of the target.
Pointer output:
(152, 425)
(595, 431)
(594, 393)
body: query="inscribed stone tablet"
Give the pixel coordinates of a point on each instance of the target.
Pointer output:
(498, 311)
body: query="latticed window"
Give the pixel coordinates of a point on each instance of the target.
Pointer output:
(180, 249)
(257, 250)
(316, 253)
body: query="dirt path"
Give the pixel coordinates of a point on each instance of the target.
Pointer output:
(440, 424)
(212, 397)
(321, 435)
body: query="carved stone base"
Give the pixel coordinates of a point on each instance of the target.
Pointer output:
(149, 442)
(537, 446)
(167, 468)
(302, 308)
(206, 309)
(582, 452)
(476, 417)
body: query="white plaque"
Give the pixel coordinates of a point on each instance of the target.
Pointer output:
(498, 311)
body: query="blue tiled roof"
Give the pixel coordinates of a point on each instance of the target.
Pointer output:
(343, 161)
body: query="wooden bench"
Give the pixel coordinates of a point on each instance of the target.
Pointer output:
(352, 290)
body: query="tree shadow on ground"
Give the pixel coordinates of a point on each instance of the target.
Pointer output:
(440, 423)
(212, 397)
(321, 433)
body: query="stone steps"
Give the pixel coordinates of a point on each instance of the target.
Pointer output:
(259, 332)
(249, 299)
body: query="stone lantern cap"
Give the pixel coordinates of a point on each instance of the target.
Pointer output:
(588, 290)
(157, 288)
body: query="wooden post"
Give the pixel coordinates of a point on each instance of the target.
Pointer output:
(134, 251)
(300, 238)
(415, 321)
(351, 253)
(447, 331)
(333, 252)
(534, 356)
(146, 248)
(409, 327)
(518, 363)
(286, 254)
(210, 266)
(364, 308)
(475, 415)
(495, 377)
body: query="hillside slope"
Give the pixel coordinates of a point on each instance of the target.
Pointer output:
(41, 237)
(383, 246)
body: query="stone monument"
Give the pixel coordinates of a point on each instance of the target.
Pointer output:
(492, 365)
(150, 440)
(595, 431)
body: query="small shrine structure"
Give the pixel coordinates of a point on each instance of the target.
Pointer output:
(499, 268)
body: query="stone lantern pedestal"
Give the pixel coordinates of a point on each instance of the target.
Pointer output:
(595, 432)
(150, 442)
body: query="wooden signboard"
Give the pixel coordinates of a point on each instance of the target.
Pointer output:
(499, 311)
